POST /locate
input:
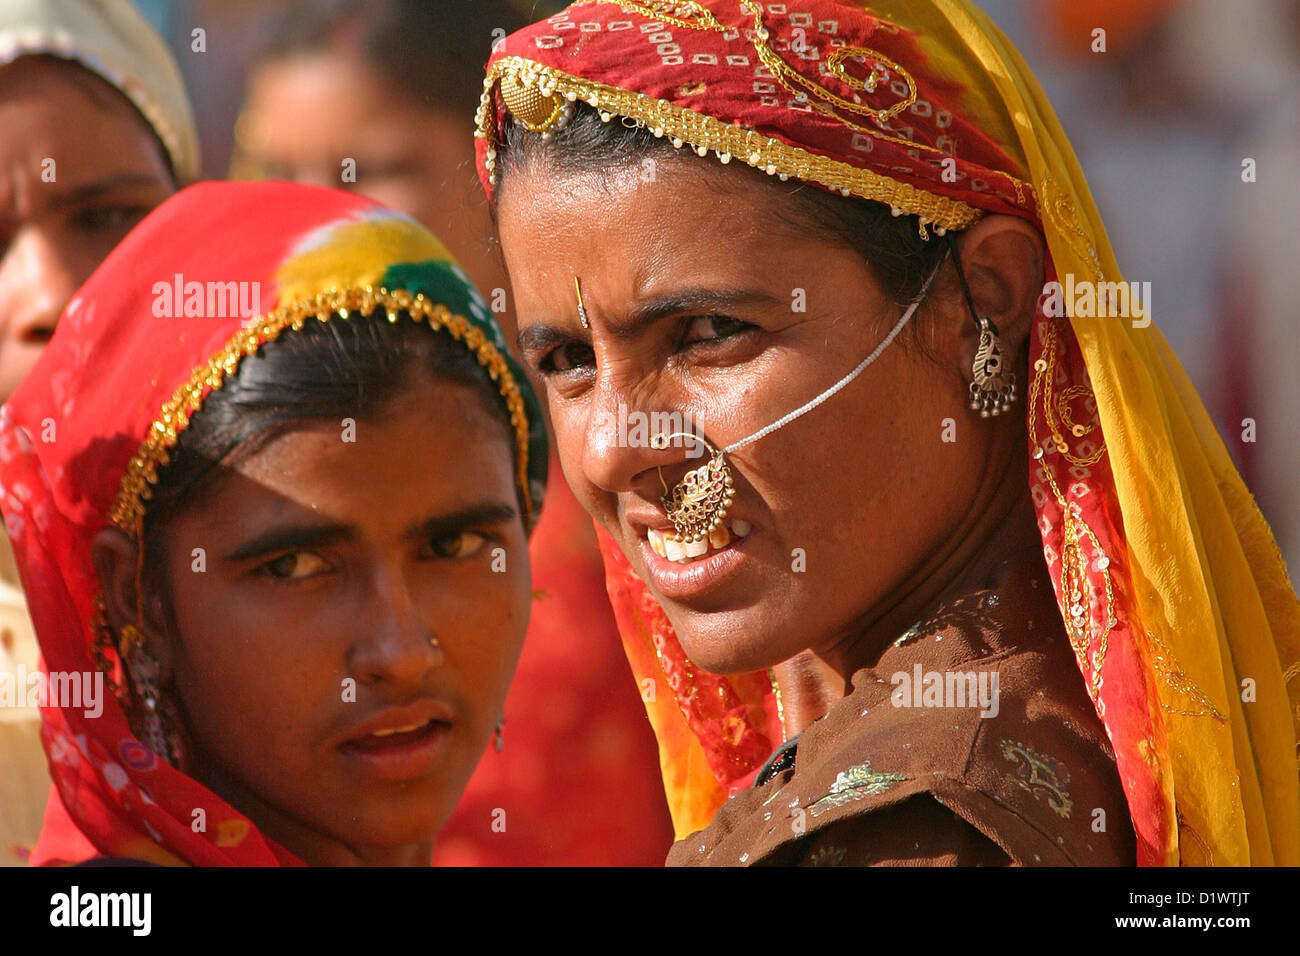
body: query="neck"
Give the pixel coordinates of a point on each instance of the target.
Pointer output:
(992, 543)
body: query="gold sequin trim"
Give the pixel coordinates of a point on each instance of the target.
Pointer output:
(1076, 592)
(704, 133)
(1056, 409)
(1059, 209)
(134, 490)
(836, 106)
(1173, 675)
(801, 86)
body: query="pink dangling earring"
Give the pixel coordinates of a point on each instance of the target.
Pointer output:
(156, 726)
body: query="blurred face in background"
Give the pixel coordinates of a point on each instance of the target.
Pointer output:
(309, 113)
(79, 167)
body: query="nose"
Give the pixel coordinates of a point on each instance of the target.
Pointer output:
(36, 281)
(396, 646)
(617, 453)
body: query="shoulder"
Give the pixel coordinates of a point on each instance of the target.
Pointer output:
(1028, 779)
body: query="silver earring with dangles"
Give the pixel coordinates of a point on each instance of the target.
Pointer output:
(993, 388)
(993, 385)
(498, 736)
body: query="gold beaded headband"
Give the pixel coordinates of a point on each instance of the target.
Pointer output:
(543, 98)
(127, 513)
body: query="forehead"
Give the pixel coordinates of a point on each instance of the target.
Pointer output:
(436, 448)
(638, 225)
(314, 100)
(57, 85)
(62, 109)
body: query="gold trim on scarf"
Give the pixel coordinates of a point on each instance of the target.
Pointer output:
(127, 513)
(704, 133)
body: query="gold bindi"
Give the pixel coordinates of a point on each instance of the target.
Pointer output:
(582, 309)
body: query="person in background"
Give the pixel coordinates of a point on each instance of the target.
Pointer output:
(95, 131)
(377, 98)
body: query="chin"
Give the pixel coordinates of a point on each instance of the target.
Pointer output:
(736, 642)
(401, 822)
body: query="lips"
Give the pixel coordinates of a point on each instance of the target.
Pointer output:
(392, 739)
(682, 571)
(400, 743)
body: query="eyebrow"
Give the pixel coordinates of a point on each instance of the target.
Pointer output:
(540, 336)
(301, 537)
(290, 538)
(487, 513)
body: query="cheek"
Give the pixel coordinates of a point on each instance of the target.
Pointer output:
(569, 427)
(874, 487)
(480, 617)
(264, 667)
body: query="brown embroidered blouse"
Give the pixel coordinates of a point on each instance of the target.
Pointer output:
(972, 741)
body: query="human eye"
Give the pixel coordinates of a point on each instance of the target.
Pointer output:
(459, 544)
(294, 566)
(706, 329)
(566, 359)
(109, 217)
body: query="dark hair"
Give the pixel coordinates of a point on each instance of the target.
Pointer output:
(430, 49)
(354, 368)
(892, 245)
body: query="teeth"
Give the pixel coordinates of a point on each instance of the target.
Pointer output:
(667, 546)
(399, 730)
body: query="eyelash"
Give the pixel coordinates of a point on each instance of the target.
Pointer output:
(546, 365)
(739, 328)
(477, 543)
(265, 569)
(109, 217)
(482, 543)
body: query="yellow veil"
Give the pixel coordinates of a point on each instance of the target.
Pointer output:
(1208, 579)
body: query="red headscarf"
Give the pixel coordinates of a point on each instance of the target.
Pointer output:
(1170, 587)
(137, 350)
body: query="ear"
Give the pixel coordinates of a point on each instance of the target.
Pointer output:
(1002, 257)
(116, 561)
